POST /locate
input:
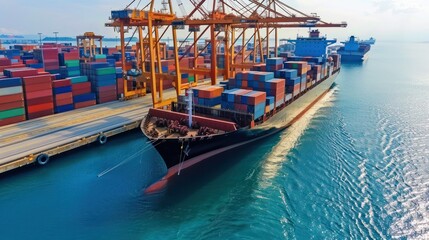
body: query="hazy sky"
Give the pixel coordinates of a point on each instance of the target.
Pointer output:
(401, 20)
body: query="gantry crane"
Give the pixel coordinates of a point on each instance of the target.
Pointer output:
(88, 42)
(224, 21)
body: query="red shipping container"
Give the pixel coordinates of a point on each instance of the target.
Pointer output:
(30, 61)
(37, 79)
(37, 87)
(39, 94)
(11, 98)
(80, 91)
(22, 72)
(2, 68)
(5, 62)
(63, 96)
(11, 105)
(107, 99)
(84, 104)
(240, 107)
(40, 100)
(40, 114)
(74, 55)
(7, 121)
(50, 53)
(111, 88)
(107, 94)
(61, 83)
(256, 98)
(40, 107)
(239, 93)
(83, 85)
(62, 102)
(120, 86)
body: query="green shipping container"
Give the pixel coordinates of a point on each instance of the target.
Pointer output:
(73, 73)
(79, 79)
(100, 56)
(191, 79)
(12, 113)
(71, 63)
(105, 71)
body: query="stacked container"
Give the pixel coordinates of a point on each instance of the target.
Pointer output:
(11, 101)
(119, 82)
(69, 62)
(274, 64)
(220, 59)
(261, 81)
(38, 96)
(49, 58)
(103, 80)
(20, 72)
(63, 97)
(81, 91)
(100, 58)
(207, 95)
(293, 82)
(243, 100)
(302, 69)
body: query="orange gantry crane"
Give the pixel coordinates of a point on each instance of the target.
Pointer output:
(88, 41)
(224, 22)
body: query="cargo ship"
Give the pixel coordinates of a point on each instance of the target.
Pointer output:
(370, 41)
(252, 106)
(353, 50)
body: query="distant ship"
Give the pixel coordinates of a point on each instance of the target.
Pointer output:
(354, 51)
(370, 41)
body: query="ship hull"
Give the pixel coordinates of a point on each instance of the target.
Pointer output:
(177, 152)
(352, 57)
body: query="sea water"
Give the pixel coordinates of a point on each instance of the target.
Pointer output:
(355, 167)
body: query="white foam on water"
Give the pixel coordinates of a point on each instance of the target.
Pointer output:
(289, 138)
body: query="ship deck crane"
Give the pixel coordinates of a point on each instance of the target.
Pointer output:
(222, 22)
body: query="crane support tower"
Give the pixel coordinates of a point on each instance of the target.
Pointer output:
(225, 24)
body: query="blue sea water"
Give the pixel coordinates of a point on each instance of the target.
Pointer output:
(356, 167)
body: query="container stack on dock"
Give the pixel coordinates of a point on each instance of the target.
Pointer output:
(81, 90)
(38, 95)
(63, 97)
(119, 82)
(103, 80)
(11, 101)
(69, 64)
(49, 58)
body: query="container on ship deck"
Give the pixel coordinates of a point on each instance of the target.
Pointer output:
(254, 98)
(300, 66)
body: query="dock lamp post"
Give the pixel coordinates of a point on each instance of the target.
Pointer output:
(56, 38)
(40, 39)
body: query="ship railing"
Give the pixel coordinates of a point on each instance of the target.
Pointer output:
(240, 118)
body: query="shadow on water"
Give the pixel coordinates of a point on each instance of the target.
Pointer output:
(216, 169)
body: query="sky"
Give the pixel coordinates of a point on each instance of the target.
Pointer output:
(386, 20)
